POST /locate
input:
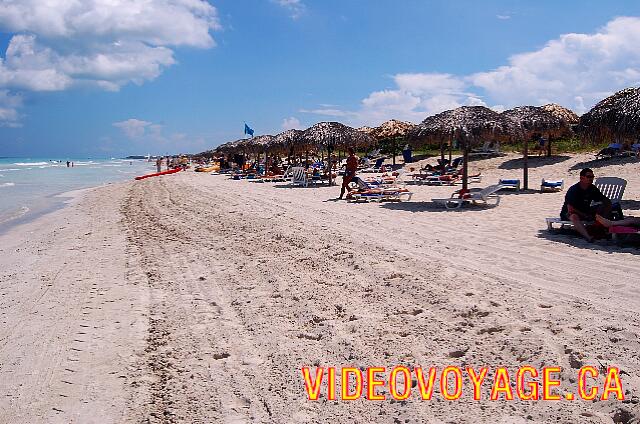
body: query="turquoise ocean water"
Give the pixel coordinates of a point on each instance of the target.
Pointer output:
(31, 186)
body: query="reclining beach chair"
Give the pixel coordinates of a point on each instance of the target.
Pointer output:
(609, 152)
(612, 187)
(551, 185)
(512, 184)
(367, 191)
(485, 196)
(299, 176)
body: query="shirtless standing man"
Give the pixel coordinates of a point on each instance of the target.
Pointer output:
(350, 172)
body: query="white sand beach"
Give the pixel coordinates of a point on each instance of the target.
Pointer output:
(196, 298)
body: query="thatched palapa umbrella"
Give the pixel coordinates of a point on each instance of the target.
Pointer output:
(552, 120)
(615, 118)
(289, 141)
(260, 144)
(392, 130)
(332, 135)
(468, 124)
(566, 118)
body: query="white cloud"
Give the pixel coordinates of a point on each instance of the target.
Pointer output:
(9, 105)
(425, 83)
(60, 44)
(415, 97)
(106, 43)
(146, 136)
(290, 123)
(154, 22)
(575, 70)
(295, 7)
(134, 128)
(503, 17)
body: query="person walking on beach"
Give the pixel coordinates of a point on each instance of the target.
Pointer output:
(583, 202)
(68, 163)
(158, 164)
(349, 172)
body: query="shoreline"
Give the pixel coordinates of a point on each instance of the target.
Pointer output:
(194, 297)
(42, 191)
(59, 201)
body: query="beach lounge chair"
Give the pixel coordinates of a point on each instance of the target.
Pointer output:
(299, 176)
(612, 150)
(612, 187)
(381, 194)
(485, 196)
(512, 184)
(551, 185)
(619, 232)
(490, 148)
(367, 191)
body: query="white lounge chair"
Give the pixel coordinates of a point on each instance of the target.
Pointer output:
(367, 191)
(299, 176)
(483, 196)
(612, 187)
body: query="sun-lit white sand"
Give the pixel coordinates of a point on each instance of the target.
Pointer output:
(195, 298)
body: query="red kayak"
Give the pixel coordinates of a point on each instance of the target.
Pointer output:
(171, 171)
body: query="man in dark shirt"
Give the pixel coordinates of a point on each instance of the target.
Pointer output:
(582, 202)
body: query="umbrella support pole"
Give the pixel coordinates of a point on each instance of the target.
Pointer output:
(465, 166)
(394, 151)
(525, 167)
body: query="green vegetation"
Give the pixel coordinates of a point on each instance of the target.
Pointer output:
(559, 146)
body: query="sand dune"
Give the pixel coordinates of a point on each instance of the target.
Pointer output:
(195, 298)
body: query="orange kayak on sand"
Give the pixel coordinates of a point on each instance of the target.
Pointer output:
(170, 171)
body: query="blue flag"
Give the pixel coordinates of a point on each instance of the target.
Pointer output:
(248, 130)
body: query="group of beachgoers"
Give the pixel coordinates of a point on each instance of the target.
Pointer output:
(171, 162)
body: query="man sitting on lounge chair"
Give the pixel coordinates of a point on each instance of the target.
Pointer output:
(582, 202)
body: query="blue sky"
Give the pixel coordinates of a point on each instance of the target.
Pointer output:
(110, 78)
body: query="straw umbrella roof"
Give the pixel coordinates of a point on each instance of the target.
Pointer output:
(466, 123)
(287, 140)
(365, 129)
(238, 146)
(230, 146)
(260, 143)
(562, 113)
(550, 119)
(335, 134)
(391, 129)
(617, 116)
